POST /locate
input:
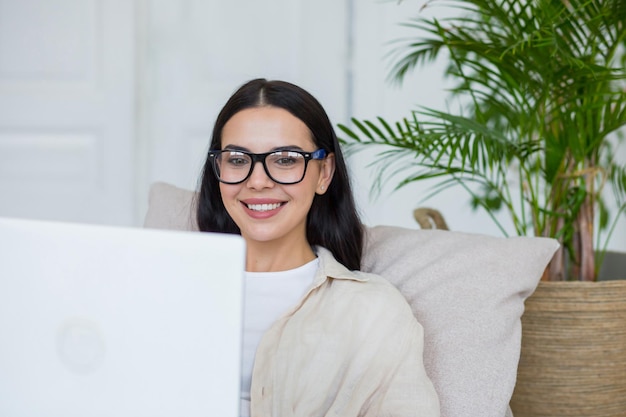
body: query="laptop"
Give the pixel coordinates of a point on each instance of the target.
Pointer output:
(114, 321)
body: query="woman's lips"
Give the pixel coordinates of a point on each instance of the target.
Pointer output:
(262, 210)
(263, 207)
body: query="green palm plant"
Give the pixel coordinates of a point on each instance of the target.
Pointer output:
(541, 89)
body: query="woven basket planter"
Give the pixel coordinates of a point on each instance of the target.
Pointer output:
(573, 359)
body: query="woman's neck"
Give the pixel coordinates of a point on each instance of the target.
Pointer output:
(268, 257)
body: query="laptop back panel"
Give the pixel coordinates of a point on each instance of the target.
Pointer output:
(108, 321)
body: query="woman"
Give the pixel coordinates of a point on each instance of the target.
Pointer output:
(320, 338)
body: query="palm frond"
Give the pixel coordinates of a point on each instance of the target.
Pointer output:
(539, 84)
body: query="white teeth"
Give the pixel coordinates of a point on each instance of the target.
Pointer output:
(263, 207)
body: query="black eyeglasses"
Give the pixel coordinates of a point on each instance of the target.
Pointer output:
(283, 166)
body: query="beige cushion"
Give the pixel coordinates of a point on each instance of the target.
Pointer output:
(170, 207)
(467, 290)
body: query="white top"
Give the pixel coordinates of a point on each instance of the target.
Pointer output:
(268, 295)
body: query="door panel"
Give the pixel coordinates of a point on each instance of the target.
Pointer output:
(66, 110)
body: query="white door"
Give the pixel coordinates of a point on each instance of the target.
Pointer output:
(67, 110)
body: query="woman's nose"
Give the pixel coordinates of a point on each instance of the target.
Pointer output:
(259, 178)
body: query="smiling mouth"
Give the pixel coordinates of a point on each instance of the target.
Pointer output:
(263, 207)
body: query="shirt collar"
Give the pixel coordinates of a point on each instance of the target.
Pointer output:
(329, 267)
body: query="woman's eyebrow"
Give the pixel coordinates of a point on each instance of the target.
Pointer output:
(287, 148)
(274, 149)
(235, 148)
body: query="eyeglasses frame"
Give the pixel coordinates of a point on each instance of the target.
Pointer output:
(316, 155)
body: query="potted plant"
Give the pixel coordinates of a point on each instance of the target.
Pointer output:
(540, 96)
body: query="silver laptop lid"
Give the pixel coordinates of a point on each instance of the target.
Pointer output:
(110, 321)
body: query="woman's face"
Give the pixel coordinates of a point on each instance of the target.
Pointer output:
(264, 210)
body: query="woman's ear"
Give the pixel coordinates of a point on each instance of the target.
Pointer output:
(327, 171)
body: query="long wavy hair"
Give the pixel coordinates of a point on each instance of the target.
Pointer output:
(333, 221)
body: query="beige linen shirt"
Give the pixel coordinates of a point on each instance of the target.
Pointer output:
(350, 347)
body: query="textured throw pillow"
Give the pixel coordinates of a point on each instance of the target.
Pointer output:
(467, 290)
(170, 207)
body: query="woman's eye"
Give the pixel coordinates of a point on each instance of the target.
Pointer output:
(286, 159)
(237, 160)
